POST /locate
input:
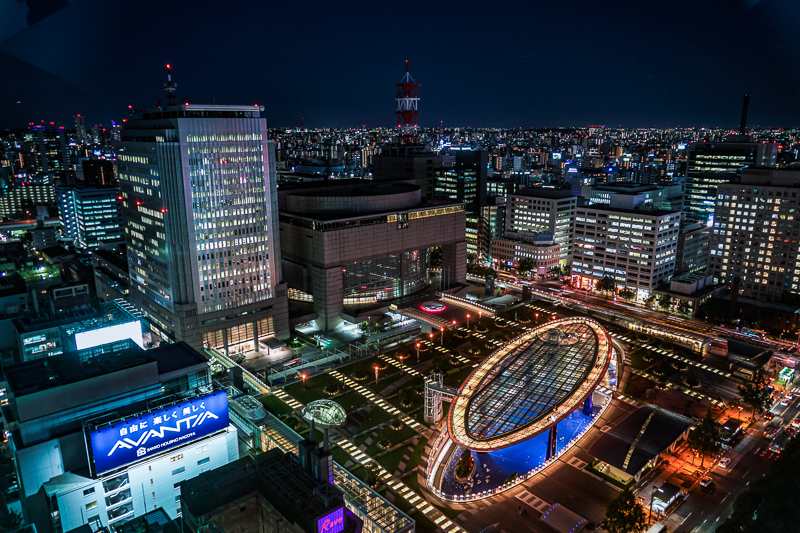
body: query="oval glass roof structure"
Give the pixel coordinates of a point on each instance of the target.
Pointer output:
(325, 413)
(529, 384)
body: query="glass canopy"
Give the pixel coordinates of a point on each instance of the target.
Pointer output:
(530, 384)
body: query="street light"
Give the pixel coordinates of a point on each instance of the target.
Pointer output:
(537, 317)
(376, 373)
(417, 353)
(467, 320)
(402, 368)
(303, 377)
(441, 341)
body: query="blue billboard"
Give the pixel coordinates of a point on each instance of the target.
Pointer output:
(149, 434)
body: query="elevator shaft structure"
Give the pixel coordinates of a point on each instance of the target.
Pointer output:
(407, 109)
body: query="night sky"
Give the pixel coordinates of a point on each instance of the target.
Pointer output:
(499, 64)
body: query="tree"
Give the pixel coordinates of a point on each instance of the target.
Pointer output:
(665, 302)
(524, 266)
(754, 392)
(470, 258)
(624, 514)
(627, 294)
(769, 503)
(649, 301)
(683, 307)
(704, 439)
(606, 284)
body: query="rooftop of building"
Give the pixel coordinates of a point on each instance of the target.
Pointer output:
(275, 475)
(85, 317)
(189, 110)
(641, 436)
(346, 187)
(113, 258)
(644, 210)
(551, 194)
(33, 376)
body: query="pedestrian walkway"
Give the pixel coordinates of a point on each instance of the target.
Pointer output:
(380, 402)
(399, 364)
(685, 390)
(687, 361)
(288, 400)
(397, 486)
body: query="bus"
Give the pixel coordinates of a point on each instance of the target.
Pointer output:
(754, 333)
(779, 441)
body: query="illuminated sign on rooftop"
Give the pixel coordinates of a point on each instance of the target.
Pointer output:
(331, 523)
(149, 434)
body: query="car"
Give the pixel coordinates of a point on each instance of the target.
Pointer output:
(725, 462)
(770, 432)
(788, 396)
(769, 415)
(791, 430)
(707, 485)
(785, 402)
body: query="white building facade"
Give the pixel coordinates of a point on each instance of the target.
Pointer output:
(635, 247)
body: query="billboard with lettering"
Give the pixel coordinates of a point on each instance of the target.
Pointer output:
(332, 522)
(149, 434)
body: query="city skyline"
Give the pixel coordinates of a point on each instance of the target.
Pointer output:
(625, 65)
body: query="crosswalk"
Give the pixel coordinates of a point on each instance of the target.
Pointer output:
(533, 500)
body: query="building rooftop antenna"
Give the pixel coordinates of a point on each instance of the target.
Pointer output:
(169, 86)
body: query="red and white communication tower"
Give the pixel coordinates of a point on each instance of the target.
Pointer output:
(407, 102)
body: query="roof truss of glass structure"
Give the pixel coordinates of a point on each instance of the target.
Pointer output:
(530, 384)
(325, 413)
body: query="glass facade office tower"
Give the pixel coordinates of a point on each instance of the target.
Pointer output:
(465, 181)
(709, 165)
(201, 225)
(91, 216)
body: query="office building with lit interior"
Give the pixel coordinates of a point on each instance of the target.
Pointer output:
(201, 225)
(526, 403)
(359, 243)
(709, 165)
(633, 244)
(534, 211)
(102, 441)
(754, 239)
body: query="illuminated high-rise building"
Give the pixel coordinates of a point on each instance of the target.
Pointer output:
(201, 225)
(709, 165)
(755, 237)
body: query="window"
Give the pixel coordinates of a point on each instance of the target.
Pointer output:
(91, 505)
(203, 461)
(154, 495)
(180, 470)
(177, 486)
(176, 458)
(178, 499)
(88, 491)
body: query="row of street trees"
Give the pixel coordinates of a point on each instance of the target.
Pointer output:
(626, 515)
(608, 286)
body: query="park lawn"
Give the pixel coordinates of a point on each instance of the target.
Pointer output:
(274, 405)
(637, 359)
(456, 379)
(375, 417)
(391, 459)
(416, 455)
(312, 389)
(351, 401)
(340, 456)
